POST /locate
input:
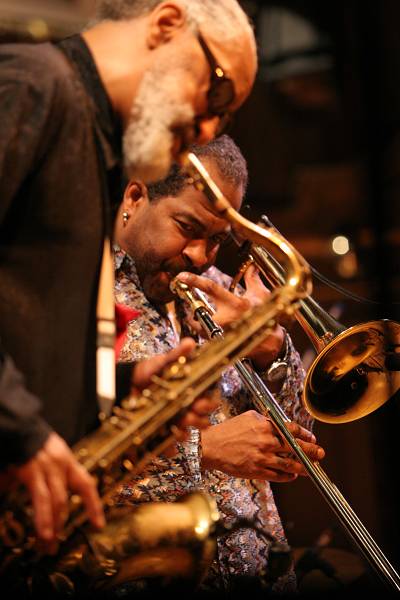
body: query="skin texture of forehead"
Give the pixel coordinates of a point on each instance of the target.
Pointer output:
(197, 203)
(233, 192)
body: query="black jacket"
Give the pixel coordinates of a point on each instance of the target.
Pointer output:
(53, 215)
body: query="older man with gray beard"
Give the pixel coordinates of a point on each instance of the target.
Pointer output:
(154, 75)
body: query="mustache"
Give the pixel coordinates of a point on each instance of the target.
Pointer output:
(174, 271)
(177, 266)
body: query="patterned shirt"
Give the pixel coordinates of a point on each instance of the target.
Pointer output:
(243, 552)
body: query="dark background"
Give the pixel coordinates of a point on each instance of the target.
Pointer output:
(320, 132)
(321, 136)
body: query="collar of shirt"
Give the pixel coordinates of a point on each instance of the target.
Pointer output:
(130, 282)
(122, 261)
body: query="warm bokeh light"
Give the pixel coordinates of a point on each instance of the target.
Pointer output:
(340, 244)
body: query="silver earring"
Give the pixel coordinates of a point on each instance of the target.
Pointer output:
(125, 217)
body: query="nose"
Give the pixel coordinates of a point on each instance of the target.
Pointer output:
(196, 253)
(207, 129)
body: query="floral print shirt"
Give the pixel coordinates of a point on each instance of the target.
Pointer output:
(243, 552)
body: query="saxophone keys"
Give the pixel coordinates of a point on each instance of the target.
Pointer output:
(127, 465)
(83, 453)
(132, 403)
(76, 500)
(160, 382)
(11, 531)
(179, 370)
(174, 370)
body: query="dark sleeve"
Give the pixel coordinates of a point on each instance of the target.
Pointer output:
(26, 124)
(124, 379)
(25, 112)
(22, 430)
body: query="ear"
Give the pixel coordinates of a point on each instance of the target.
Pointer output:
(165, 21)
(134, 196)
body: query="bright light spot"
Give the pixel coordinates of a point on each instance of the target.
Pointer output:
(38, 29)
(340, 245)
(201, 528)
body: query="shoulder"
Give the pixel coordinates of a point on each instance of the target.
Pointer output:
(40, 91)
(39, 70)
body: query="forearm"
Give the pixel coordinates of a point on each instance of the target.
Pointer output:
(191, 452)
(287, 391)
(22, 430)
(290, 393)
(124, 379)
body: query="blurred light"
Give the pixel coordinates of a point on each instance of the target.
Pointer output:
(38, 29)
(289, 45)
(201, 528)
(347, 266)
(340, 244)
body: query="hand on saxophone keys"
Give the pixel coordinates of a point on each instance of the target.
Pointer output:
(49, 476)
(54, 475)
(197, 415)
(249, 446)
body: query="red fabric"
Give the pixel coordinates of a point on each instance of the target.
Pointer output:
(123, 315)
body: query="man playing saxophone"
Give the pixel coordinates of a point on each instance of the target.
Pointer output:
(161, 231)
(130, 92)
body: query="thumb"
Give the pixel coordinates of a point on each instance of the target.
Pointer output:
(254, 284)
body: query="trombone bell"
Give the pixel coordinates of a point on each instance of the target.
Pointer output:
(356, 373)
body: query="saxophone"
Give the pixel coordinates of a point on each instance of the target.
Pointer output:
(156, 539)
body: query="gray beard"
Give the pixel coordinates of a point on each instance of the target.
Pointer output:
(148, 139)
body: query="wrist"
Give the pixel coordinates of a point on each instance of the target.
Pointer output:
(277, 370)
(207, 462)
(192, 449)
(273, 349)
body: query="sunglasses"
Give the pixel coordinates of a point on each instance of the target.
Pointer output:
(221, 92)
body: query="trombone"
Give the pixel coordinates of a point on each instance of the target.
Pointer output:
(357, 354)
(356, 370)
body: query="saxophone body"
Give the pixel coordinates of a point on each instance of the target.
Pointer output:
(155, 540)
(142, 428)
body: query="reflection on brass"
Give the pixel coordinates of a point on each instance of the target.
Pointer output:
(356, 370)
(157, 539)
(352, 375)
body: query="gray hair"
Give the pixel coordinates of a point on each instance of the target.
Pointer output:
(222, 19)
(221, 152)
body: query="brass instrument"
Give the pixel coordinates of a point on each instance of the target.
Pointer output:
(361, 343)
(357, 354)
(163, 540)
(128, 440)
(353, 373)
